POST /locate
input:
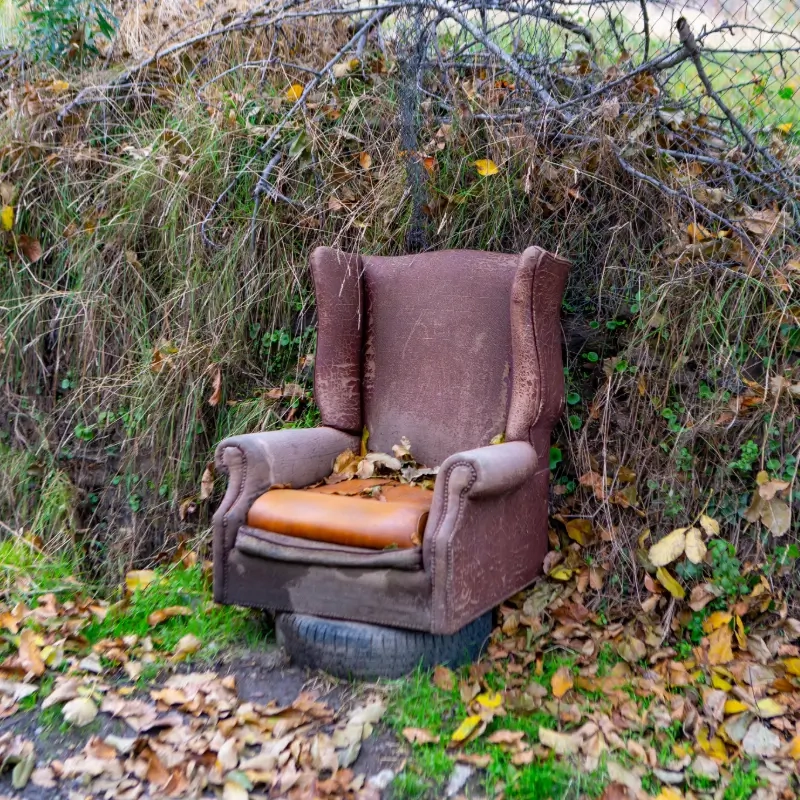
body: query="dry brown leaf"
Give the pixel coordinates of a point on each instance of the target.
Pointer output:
(30, 654)
(216, 388)
(207, 482)
(709, 525)
(419, 736)
(80, 711)
(444, 678)
(187, 645)
(157, 617)
(561, 743)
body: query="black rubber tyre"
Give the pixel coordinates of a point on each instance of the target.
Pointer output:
(358, 650)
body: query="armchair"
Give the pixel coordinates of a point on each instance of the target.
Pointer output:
(450, 349)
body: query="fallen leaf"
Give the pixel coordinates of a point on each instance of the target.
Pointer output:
(444, 678)
(769, 708)
(7, 218)
(467, 728)
(207, 482)
(776, 516)
(216, 388)
(666, 550)
(695, 546)
(709, 525)
(157, 617)
(365, 160)
(561, 682)
(486, 167)
(760, 741)
(187, 645)
(419, 736)
(67, 690)
(580, 531)
(29, 653)
(30, 248)
(670, 584)
(80, 711)
(138, 579)
(561, 743)
(294, 92)
(720, 650)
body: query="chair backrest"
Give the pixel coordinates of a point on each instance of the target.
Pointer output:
(449, 348)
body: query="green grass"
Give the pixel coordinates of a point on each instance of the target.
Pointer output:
(219, 628)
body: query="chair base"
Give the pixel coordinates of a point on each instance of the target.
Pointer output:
(359, 650)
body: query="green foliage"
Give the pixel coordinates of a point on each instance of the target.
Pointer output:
(65, 30)
(726, 568)
(747, 458)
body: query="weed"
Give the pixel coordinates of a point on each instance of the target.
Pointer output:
(744, 781)
(747, 458)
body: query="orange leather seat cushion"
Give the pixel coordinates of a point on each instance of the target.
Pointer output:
(341, 513)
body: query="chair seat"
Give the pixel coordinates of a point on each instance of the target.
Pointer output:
(376, 514)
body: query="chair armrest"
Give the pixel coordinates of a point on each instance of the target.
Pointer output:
(487, 506)
(492, 470)
(254, 462)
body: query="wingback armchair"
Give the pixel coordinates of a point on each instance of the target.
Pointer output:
(450, 349)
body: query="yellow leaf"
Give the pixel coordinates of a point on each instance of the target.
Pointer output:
(784, 127)
(139, 579)
(735, 706)
(697, 233)
(580, 531)
(666, 550)
(670, 584)
(561, 682)
(741, 637)
(769, 708)
(794, 748)
(719, 646)
(718, 682)
(7, 218)
(466, 728)
(716, 620)
(294, 92)
(486, 167)
(709, 525)
(695, 546)
(560, 573)
(365, 160)
(58, 86)
(792, 666)
(668, 793)
(489, 699)
(499, 439)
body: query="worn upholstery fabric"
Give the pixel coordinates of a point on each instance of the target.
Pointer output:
(267, 544)
(437, 352)
(340, 316)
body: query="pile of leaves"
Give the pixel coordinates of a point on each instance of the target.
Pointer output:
(400, 466)
(186, 733)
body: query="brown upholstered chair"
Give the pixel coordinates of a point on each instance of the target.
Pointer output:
(449, 349)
